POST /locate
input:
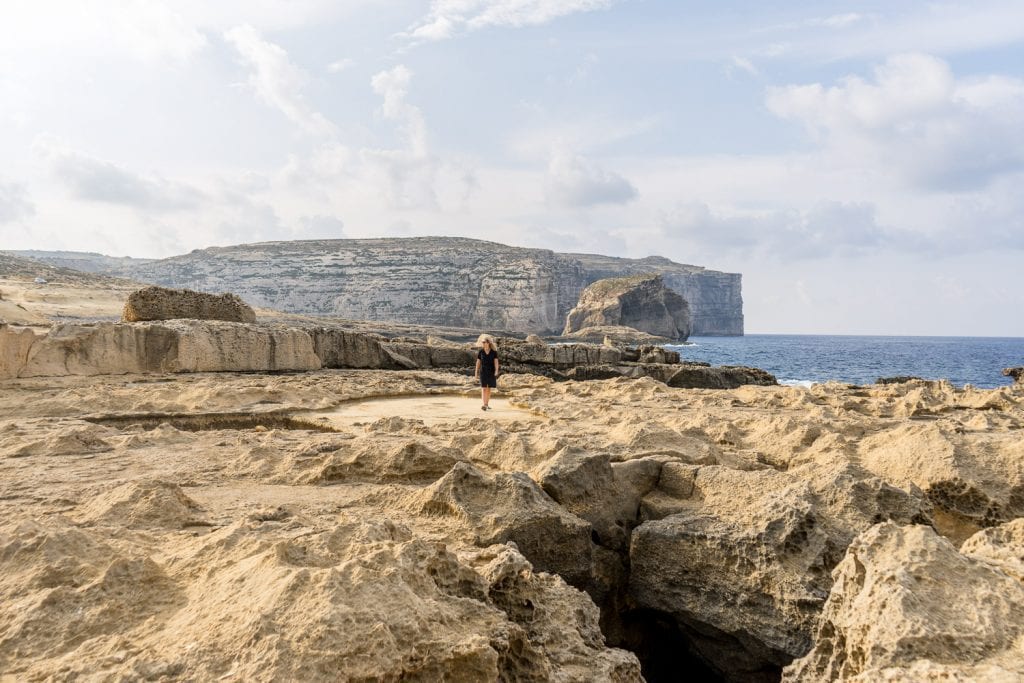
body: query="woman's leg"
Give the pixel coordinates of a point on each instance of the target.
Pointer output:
(487, 395)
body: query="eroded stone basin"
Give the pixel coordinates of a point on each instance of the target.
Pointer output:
(430, 409)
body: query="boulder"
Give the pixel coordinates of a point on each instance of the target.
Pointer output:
(161, 303)
(642, 302)
(1016, 373)
(511, 507)
(741, 560)
(906, 606)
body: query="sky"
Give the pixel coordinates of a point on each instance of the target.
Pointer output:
(860, 163)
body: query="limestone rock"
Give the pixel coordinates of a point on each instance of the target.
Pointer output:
(358, 600)
(15, 344)
(433, 280)
(160, 303)
(146, 503)
(1016, 373)
(615, 334)
(742, 568)
(338, 348)
(907, 606)
(169, 346)
(511, 507)
(1001, 546)
(642, 302)
(742, 559)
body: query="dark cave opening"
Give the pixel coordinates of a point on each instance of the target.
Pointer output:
(666, 654)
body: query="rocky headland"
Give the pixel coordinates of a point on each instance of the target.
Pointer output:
(440, 281)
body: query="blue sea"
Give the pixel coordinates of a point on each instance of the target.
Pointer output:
(807, 359)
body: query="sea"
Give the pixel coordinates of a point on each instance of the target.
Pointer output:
(808, 359)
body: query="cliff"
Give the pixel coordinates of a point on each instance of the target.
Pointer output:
(433, 280)
(715, 298)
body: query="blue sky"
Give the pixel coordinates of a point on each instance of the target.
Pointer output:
(859, 162)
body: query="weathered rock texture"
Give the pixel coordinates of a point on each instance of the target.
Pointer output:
(715, 298)
(642, 302)
(731, 534)
(906, 606)
(160, 303)
(168, 346)
(1016, 373)
(433, 280)
(182, 345)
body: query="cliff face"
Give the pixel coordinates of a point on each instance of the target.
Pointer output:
(433, 280)
(715, 298)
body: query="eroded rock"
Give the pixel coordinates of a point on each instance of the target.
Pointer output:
(907, 606)
(161, 303)
(642, 302)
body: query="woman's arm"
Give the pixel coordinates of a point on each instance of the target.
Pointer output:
(477, 373)
(497, 367)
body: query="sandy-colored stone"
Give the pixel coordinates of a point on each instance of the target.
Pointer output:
(161, 303)
(907, 606)
(180, 526)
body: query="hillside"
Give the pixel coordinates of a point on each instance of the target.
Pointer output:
(433, 281)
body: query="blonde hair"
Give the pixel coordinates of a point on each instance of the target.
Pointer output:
(486, 338)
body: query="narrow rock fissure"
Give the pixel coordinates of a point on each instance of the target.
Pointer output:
(210, 421)
(670, 650)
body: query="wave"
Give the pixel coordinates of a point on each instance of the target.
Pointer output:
(806, 383)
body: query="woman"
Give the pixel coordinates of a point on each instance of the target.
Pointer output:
(487, 368)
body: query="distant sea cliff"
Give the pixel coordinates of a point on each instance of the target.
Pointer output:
(448, 281)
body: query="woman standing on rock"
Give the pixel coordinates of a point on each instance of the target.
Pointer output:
(487, 368)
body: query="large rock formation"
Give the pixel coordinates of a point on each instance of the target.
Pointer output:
(715, 298)
(906, 606)
(183, 345)
(433, 280)
(160, 303)
(168, 346)
(639, 301)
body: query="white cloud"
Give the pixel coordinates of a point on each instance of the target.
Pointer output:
(841, 20)
(741, 64)
(574, 181)
(826, 229)
(146, 30)
(340, 65)
(393, 86)
(448, 18)
(933, 27)
(276, 80)
(915, 122)
(102, 181)
(320, 227)
(14, 203)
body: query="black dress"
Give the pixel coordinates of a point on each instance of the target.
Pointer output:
(487, 361)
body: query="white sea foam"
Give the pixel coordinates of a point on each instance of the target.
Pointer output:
(806, 383)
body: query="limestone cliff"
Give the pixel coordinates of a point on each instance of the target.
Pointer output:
(715, 298)
(433, 280)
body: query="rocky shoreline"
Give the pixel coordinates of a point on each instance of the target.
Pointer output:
(219, 346)
(586, 530)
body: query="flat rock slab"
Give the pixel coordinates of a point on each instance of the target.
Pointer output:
(428, 409)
